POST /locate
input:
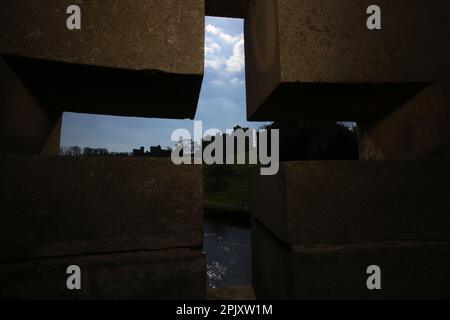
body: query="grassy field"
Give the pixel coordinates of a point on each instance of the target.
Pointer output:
(235, 200)
(226, 188)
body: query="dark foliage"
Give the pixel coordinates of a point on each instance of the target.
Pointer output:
(316, 141)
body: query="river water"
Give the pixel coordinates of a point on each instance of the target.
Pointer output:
(228, 253)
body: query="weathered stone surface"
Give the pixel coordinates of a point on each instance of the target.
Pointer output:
(56, 206)
(353, 201)
(419, 129)
(166, 274)
(25, 126)
(231, 293)
(409, 269)
(128, 58)
(226, 8)
(316, 59)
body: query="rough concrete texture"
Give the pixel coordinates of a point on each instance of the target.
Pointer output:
(25, 126)
(353, 201)
(409, 269)
(127, 59)
(167, 274)
(418, 129)
(316, 59)
(126, 34)
(226, 8)
(231, 293)
(57, 206)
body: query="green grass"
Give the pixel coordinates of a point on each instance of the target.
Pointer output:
(228, 197)
(229, 191)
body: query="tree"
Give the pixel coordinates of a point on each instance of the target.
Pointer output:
(316, 141)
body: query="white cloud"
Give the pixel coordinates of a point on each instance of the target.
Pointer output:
(222, 35)
(218, 82)
(224, 52)
(236, 81)
(228, 38)
(214, 63)
(213, 29)
(236, 62)
(211, 46)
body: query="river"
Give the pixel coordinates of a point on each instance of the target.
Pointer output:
(228, 253)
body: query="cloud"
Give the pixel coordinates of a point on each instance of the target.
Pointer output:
(217, 82)
(224, 52)
(236, 62)
(213, 29)
(221, 34)
(236, 82)
(212, 59)
(211, 46)
(214, 63)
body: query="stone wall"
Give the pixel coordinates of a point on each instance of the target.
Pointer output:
(318, 226)
(135, 226)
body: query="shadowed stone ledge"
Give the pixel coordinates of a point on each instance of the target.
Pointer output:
(157, 275)
(58, 206)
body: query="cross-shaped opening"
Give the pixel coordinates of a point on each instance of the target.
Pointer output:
(222, 105)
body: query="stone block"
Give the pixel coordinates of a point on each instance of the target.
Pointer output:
(409, 269)
(51, 147)
(317, 60)
(419, 129)
(166, 274)
(353, 201)
(226, 8)
(58, 206)
(127, 59)
(26, 127)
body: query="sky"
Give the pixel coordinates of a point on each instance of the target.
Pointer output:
(221, 105)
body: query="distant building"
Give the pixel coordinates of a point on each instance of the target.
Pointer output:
(187, 147)
(155, 152)
(158, 152)
(139, 152)
(226, 137)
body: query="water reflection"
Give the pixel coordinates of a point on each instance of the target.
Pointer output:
(228, 255)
